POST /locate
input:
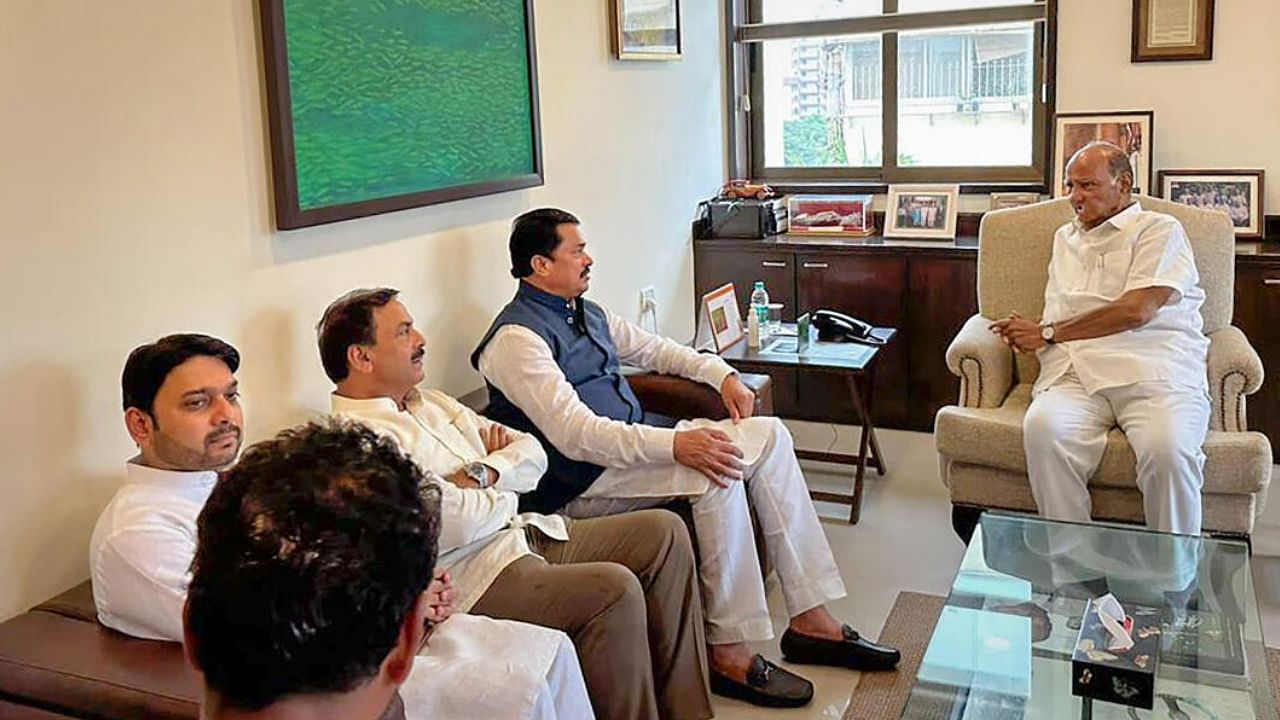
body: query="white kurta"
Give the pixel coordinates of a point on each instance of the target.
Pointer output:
(641, 472)
(140, 555)
(481, 531)
(1150, 381)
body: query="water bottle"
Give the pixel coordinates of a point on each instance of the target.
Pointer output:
(760, 305)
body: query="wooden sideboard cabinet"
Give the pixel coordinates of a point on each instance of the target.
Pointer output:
(924, 289)
(928, 289)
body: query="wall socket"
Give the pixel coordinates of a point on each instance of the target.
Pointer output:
(648, 298)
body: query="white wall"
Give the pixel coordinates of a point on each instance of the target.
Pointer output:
(134, 200)
(1222, 113)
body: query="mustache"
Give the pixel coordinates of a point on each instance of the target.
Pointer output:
(219, 435)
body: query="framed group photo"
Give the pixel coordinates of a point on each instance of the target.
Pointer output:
(1238, 193)
(922, 211)
(1130, 131)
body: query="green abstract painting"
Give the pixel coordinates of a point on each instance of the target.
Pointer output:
(380, 105)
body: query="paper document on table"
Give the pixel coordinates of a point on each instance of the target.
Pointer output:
(850, 352)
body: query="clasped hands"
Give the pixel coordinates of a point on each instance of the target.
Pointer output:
(1019, 333)
(495, 437)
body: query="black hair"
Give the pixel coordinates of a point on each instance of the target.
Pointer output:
(534, 233)
(349, 321)
(148, 365)
(310, 554)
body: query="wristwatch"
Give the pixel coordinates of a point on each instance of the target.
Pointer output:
(1046, 333)
(477, 472)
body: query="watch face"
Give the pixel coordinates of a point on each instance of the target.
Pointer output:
(1046, 332)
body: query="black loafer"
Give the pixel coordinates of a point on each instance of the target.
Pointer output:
(767, 686)
(854, 651)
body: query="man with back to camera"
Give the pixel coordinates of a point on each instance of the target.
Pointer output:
(1120, 344)
(551, 360)
(623, 587)
(309, 593)
(182, 409)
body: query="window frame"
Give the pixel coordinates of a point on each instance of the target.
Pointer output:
(745, 81)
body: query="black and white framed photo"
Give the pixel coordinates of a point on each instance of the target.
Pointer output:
(1130, 131)
(1238, 193)
(922, 211)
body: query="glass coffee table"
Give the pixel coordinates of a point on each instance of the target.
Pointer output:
(1003, 643)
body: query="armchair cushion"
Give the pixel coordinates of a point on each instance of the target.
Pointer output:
(983, 362)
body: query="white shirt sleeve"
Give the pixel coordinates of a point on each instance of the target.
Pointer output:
(519, 465)
(640, 348)
(520, 364)
(471, 514)
(1162, 258)
(140, 580)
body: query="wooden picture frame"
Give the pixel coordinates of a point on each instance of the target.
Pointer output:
(1238, 193)
(1172, 30)
(922, 211)
(356, 132)
(1130, 130)
(720, 312)
(646, 30)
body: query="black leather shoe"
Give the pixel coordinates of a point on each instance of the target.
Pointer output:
(854, 652)
(767, 686)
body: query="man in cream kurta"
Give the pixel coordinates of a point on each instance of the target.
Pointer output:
(182, 409)
(623, 588)
(1120, 344)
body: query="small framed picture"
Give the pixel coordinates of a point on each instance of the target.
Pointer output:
(720, 312)
(1166, 30)
(831, 215)
(1002, 201)
(922, 211)
(1130, 131)
(1238, 193)
(646, 30)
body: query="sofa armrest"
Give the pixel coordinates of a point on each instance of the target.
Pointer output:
(1235, 370)
(983, 362)
(685, 399)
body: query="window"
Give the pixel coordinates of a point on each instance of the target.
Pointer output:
(876, 91)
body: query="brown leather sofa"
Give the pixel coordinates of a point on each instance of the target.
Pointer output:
(57, 661)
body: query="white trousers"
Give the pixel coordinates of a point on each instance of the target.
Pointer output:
(1065, 434)
(729, 569)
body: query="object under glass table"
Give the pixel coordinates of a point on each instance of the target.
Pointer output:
(1003, 643)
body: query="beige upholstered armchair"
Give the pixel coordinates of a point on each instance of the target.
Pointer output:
(979, 441)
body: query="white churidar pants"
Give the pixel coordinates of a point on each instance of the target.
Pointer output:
(732, 586)
(1065, 434)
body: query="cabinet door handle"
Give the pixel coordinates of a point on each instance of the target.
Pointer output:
(1271, 281)
(822, 266)
(772, 263)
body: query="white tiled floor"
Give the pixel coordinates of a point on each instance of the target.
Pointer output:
(905, 542)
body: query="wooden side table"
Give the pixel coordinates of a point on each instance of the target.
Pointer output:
(856, 362)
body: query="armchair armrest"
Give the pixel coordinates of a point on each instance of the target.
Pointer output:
(983, 362)
(1235, 370)
(685, 399)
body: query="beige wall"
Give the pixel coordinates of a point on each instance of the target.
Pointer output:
(134, 198)
(1222, 113)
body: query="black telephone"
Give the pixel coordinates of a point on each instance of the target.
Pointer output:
(838, 327)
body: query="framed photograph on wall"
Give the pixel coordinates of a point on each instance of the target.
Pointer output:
(1168, 30)
(647, 30)
(847, 215)
(922, 211)
(1238, 193)
(1130, 131)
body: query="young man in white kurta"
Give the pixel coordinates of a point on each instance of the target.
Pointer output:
(187, 423)
(1120, 345)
